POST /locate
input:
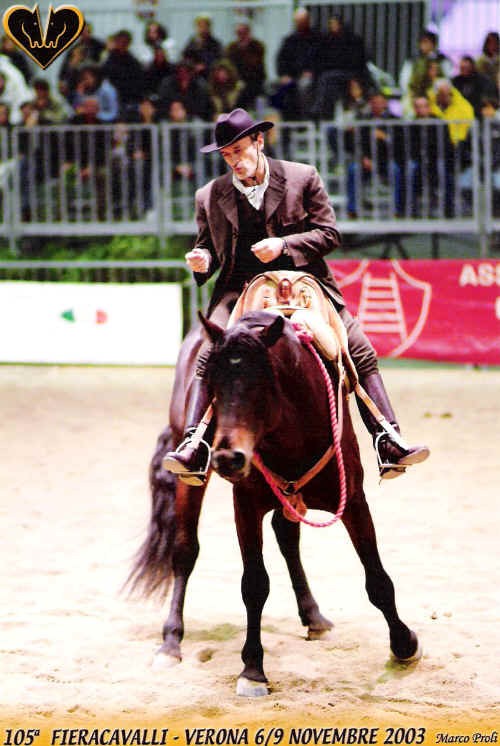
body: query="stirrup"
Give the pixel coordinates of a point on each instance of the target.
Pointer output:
(386, 469)
(193, 478)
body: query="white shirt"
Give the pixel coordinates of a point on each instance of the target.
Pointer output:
(255, 193)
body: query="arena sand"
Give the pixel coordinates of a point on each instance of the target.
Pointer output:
(75, 653)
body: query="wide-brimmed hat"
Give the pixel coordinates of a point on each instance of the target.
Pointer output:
(233, 126)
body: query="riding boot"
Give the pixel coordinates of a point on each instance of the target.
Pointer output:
(191, 459)
(393, 453)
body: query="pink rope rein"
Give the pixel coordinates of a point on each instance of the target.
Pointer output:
(306, 339)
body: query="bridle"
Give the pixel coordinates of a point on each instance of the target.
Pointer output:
(284, 488)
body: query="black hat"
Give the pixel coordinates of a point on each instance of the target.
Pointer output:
(233, 126)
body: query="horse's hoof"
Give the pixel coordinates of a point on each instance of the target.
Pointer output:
(248, 688)
(319, 634)
(162, 661)
(411, 658)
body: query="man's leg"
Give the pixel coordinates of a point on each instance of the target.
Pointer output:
(192, 459)
(393, 455)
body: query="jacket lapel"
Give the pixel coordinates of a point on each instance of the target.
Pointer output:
(277, 187)
(227, 199)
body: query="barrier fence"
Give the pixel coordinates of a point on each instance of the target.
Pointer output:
(383, 176)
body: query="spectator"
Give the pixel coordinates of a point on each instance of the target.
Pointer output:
(247, 55)
(13, 89)
(91, 83)
(156, 37)
(203, 49)
(88, 51)
(139, 151)
(124, 71)
(448, 103)
(18, 58)
(50, 109)
(380, 150)
(225, 88)
(430, 167)
(488, 63)
(94, 47)
(473, 85)
(354, 105)
(86, 153)
(342, 56)
(491, 113)
(296, 62)
(182, 144)
(184, 85)
(415, 70)
(157, 70)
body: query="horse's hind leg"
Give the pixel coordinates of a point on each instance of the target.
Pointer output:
(358, 521)
(288, 538)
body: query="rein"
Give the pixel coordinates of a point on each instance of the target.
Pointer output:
(282, 487)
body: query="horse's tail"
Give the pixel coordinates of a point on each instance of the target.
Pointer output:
(152, 569)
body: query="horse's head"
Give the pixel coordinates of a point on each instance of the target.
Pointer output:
(241, 373)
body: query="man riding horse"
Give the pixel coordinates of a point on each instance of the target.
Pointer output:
(267, 214)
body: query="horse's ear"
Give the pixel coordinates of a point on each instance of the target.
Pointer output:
(215, 333)
(270, 334)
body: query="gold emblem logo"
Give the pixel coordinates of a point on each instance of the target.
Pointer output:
(24, 27)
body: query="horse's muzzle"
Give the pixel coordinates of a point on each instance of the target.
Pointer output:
(230, 464)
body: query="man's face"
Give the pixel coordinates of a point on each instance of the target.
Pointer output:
(242, 156)
(422, 107)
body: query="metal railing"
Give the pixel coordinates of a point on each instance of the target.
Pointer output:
(141, 179)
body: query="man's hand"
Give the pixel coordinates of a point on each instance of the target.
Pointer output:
(268, 249)
(198, 260)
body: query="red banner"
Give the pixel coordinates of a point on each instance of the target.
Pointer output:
(446, 310)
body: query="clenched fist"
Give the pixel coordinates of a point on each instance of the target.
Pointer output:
(198, 260)
(268, 249)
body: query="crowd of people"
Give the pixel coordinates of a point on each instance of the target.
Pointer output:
(322, 75)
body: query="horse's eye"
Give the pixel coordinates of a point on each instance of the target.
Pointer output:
(235, 360)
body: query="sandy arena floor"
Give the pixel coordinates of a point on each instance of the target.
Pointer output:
(76, 443)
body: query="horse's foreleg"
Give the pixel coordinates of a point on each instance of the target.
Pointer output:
(254, 590)
(358, 521)
(185, 552)
(288, 538)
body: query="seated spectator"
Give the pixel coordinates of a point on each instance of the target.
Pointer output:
(156, 37)
(91, 83)
(157, 70)
(50, 109)
(296, 63)
(448, 103)
(376, 151)
(415, 70)
(18, 58)
(248, 56)
(488, 63)
(203, 49)
(225, 88)
(184, 85)
(124, 71)
(341, 57)
(430, 167)
(473, 85)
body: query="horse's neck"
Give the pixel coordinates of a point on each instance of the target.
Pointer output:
(302, 428)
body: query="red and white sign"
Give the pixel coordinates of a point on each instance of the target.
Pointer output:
(439, 309)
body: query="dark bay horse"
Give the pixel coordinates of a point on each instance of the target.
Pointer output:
(270, 401)
(168, 555)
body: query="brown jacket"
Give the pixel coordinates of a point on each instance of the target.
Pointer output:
(296, 207)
